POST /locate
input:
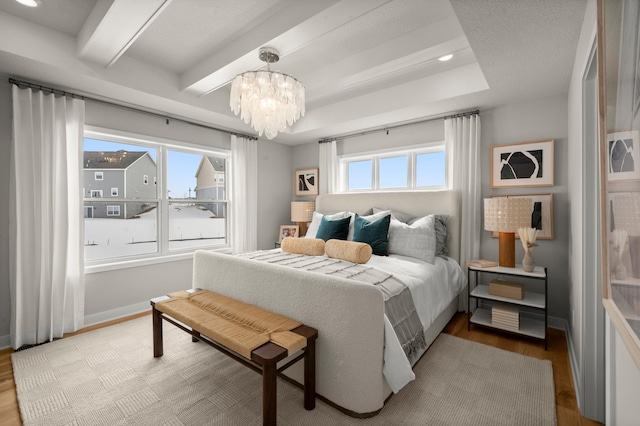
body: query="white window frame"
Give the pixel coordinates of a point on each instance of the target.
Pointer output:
(114, 192)
(95, 193)
(115, 209)
(145, 179)
(98, 175)
(162, 199)
(410, 152)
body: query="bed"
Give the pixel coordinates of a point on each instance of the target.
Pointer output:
(348, 315)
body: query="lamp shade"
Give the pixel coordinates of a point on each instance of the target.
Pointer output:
(502, 214)
(302, 211)
(626, 213)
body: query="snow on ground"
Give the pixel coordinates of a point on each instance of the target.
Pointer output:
(189, 226)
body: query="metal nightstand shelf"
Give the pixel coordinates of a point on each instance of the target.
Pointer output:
(528, 326)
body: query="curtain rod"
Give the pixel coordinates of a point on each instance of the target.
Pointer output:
(20, 83)
(386, 129)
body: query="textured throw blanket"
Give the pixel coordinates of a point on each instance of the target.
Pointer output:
(398, 302)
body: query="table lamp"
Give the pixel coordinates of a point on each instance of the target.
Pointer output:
(505, 215)
(626, 217)
(302, 214)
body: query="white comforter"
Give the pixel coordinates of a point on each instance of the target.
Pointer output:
(433, 287)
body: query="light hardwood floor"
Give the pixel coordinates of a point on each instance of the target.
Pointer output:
(566, 406)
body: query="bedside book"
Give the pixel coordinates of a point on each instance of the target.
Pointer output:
(480, 263)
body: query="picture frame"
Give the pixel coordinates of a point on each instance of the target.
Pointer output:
(623, 159)
(524, 164)
(542, 216)
(305, 182)
(288, 231)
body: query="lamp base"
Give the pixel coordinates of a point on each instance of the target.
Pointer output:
(507, 249)
(302, 228)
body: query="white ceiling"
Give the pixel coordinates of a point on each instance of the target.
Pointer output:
(365, 63)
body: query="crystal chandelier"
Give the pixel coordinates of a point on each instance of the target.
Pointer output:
(269, 100)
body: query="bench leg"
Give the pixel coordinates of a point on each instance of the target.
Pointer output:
(157, 333)
(310, 375)
(194, 338)
(269, 394)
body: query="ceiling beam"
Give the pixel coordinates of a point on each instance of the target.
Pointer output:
(113, 26)
(302, 23)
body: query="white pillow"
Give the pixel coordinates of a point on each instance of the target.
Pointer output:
(317, 218)
(417, 240)
(371, 218)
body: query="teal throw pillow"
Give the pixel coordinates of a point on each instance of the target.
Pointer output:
(375, 233)
(337, 229)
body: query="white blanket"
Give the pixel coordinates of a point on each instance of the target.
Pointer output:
(433, 287)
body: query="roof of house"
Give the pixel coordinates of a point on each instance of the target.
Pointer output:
(218, 163)
(111, 159)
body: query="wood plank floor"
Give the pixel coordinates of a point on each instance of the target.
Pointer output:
(566, 406)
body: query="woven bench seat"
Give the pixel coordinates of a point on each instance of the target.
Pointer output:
(257, 338)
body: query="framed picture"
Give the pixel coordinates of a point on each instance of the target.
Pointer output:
(306, 181)
(522, 164)
(542, 215)
(288, 231)
(623, 155)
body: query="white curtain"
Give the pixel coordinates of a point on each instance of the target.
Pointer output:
(328, 167)
(46, 231)
(244, 194)
(462, 144)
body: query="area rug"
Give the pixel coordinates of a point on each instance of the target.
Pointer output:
(109, 377)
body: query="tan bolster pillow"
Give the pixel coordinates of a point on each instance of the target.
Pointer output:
(308, 246)
(350, 251)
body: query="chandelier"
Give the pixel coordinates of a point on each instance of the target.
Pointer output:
(269, 100)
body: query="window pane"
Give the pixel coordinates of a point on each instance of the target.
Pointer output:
(198, 177)
(108, 235)
(360, 174)
(117, 229)
(393, 172)
(430, 170)
(197, 224)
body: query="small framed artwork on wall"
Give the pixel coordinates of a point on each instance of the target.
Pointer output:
(523, 164)
(623, 152)
(306, 182)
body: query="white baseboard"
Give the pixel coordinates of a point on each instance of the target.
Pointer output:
(5, 341)
(124, 311)
(562, 324)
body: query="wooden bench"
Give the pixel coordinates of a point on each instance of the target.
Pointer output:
(210, 325)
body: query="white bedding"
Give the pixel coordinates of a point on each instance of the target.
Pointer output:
(433, 287)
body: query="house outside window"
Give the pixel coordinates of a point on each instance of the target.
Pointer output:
(149, 221)
(98, 176)
(414, 168)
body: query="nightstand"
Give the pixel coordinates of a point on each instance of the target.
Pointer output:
(508, 307)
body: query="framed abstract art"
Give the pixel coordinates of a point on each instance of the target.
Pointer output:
(523, 164)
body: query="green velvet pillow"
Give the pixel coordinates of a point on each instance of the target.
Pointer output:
(337, 229)
(375, 233)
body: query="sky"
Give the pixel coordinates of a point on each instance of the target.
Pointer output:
(430, 171)
(181, 166)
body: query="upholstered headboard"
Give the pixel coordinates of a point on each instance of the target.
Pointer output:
(411, 202)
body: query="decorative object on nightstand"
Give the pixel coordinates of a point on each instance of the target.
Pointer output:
(302, 214)
(506, 215)
(528, 238)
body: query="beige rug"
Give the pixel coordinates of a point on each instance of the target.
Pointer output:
(109, 377)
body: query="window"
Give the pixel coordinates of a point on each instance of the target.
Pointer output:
(168, 217)
(402, 169)
(98, 176)
(113, 210)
